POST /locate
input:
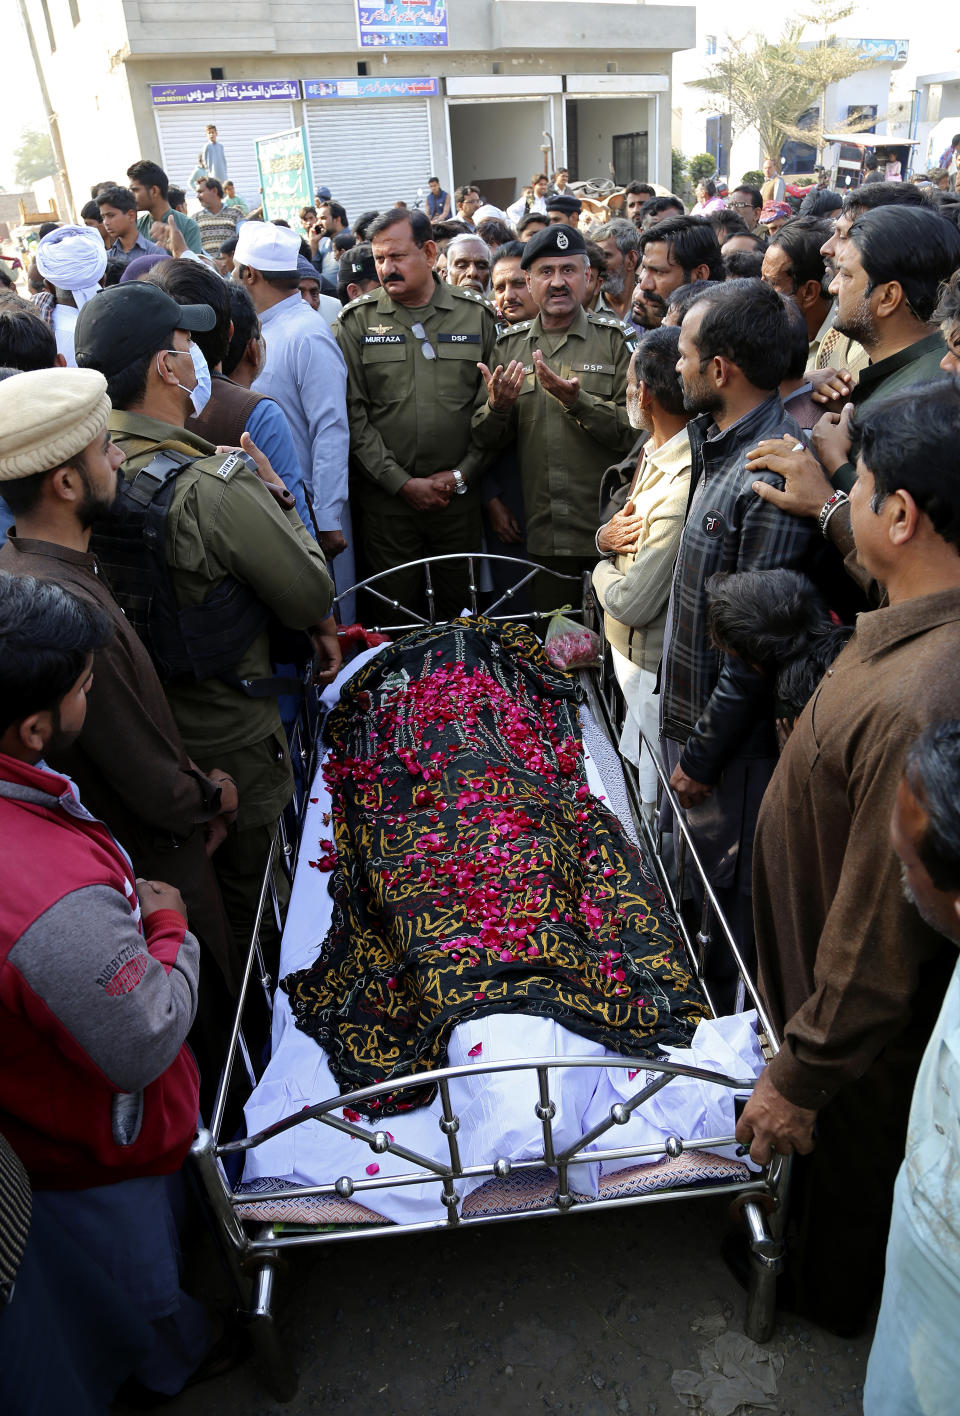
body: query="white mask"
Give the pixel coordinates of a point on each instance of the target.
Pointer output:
(199, 395)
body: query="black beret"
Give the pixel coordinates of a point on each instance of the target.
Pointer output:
(553, 241)
(563, 201)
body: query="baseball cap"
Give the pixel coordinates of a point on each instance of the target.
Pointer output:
(358, 264)
(125, 322)
(322, 194)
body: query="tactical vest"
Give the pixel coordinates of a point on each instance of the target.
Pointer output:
(196, 642)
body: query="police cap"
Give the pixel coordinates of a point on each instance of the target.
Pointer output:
(565, 202)
(553, 241)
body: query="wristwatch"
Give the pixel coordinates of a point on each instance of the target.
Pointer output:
(461, 486)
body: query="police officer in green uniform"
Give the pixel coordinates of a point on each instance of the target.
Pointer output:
(559, 391)
(233, 544)
(412, 350)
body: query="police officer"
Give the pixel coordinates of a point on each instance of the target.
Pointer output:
(233, 543)
(412, 350)
(559, 390)
(563, 209)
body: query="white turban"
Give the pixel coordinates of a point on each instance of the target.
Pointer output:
(74, 258)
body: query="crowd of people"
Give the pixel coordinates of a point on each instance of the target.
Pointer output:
(738, 425)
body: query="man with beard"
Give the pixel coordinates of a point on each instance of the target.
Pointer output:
(230, 555)
(60, 472)
(558, 392)
(619, 240)
(412, 350)
(673, 253)
(852, 977)
(889, 270)
(717, 712)
(468, 263)
(98, 989)
(640, 544)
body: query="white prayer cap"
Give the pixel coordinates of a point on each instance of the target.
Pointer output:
(74, 258)
(484, 213)
(264, 246)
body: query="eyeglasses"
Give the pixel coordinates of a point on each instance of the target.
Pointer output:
(428, 350)
(740, 206)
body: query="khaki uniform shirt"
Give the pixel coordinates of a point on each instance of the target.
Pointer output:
(219, 526)
(842, 954)
(563, 452)
(409, 413)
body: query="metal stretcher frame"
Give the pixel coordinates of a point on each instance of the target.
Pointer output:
(254, 1249)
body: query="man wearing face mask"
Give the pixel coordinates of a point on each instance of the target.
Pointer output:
(235, 554)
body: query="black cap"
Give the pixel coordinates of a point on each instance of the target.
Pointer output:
(125, 322)
(357, 264)
(553, 241)
(563, 201)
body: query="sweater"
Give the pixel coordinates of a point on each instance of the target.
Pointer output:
(96, 1084)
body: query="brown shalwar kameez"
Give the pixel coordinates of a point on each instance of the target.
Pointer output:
(852, 977)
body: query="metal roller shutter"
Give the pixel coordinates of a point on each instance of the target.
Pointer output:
(370, 153)
(239, 125)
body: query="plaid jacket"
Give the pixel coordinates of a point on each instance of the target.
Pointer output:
(711, 703)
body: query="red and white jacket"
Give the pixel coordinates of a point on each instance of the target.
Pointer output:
(96, 1083)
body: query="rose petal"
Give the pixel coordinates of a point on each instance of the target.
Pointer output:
(476, 1051)
(373, 1169)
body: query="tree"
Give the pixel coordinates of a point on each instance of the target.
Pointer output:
(701, 165)
(770, 84)
(34, 157)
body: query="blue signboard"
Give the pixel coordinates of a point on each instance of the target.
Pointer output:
(402, 24)
(370, 88)
(229, 91)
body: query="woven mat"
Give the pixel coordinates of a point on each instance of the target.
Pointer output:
(522, 1192)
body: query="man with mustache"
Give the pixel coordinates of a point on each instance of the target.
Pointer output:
(468, 263)
(412, 349)
(619, 241)
(673, 253)
(557, 388)
(503, 513)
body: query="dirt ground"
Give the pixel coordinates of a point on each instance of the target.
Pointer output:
(586, 1316)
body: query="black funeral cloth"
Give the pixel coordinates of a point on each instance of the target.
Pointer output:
(475, 872)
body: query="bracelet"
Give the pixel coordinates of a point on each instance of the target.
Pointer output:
(828, 508)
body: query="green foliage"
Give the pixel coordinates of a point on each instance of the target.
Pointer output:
(701, 165)
(769, 84)
(753, 178)
(34, 157)
(678, 170)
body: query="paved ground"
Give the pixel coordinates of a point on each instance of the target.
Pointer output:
(582, 1316)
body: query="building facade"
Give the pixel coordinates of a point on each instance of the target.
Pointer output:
(482, 91)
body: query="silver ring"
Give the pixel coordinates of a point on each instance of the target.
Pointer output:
(798, 447)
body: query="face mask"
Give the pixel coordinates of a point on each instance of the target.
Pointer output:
(200, 394)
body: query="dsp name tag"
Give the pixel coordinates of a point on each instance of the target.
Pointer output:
(458, 338)
(592, 368)
(384, 339)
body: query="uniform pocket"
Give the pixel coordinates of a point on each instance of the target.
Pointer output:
(458, 377)
(595, 378)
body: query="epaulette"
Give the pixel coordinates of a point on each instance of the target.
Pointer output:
(466, 293)
(361, 300)
(612, 322)
(514, 329)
